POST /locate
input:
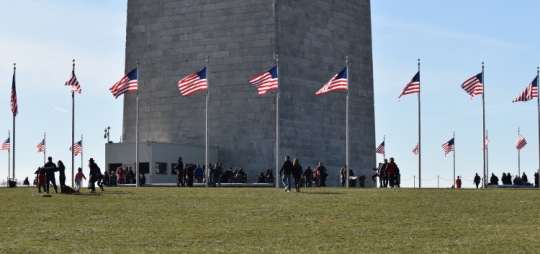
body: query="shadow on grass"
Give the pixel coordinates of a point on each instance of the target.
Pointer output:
(323, 193)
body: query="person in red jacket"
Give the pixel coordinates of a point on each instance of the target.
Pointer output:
(391, 171)
(458, 183)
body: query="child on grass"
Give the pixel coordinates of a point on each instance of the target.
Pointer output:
(78, 179)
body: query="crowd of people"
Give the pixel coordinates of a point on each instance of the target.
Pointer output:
(45, 177)
(388, 173)
(506, 179)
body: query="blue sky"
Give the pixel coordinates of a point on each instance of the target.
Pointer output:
(451, 38)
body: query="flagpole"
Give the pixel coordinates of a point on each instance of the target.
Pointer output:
(419, 136)
(44, 148)
(137, 130)
(82, 150)
(487, 153)
(73, 130)
(519, 162)
(9, 157)
(206, 126)
(384, 141)
(347, 166)
(538, 108)
(12, 107)
(276, 181)
(454, 138)
(483, 124)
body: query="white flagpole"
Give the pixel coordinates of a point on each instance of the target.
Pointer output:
(538, 108)
(276, 181)
(44, 148)
(454, 138)
(9, 157)
(484, 123)
(82, 151)
(73, 130)
(137, 131)
(519, 159)
(384, 142)
(13, 144)
(347, 166)
(206, 127)
(487, 153)
(419, 136)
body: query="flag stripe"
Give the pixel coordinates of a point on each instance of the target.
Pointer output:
(193, 83)
(74, 83)
(41, 146)
(530, 92)
(381, 148)
(520, 142)
(337, 83)
(6, 145)
(266, 81)
(448, 146)
(128, 83)
(413, 86)
(473, 86)
(77, 148)
(13, 101)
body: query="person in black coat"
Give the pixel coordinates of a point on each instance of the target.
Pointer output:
(286, 173)
(297, 174)
(62, 174)
(50, 168)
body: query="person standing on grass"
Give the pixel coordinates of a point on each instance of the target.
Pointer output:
(95, 176)
(50, 168)
(343, 175)
(308, 177)
(120, 176)
(78, 179)
(179, 169)
(62, 175)
(199, 173)
(40, 172)
(384, 174)
(477, 180)
(323, 174)
(458, 183)
(217, 175)
(297, 174)
(286, 172)
(391, 172)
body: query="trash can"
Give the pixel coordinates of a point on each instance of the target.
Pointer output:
(352, 181)
(12, 183)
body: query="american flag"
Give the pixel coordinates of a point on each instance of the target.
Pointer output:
(413, 86)
(128, 83)
(486, 143)
(5, 145)
(473, 86)
(74, 83)
(266, 81)
(415, 149)
(41, 146)
(530, 92)
(193, 83)
(448, 146)
(380, 149)
(338, 82)
(520, 142)
(14, 106)
(77, 148)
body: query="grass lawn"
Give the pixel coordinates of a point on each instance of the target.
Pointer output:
(268, 220)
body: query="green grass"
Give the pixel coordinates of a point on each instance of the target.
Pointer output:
(267, 220)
